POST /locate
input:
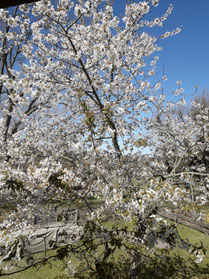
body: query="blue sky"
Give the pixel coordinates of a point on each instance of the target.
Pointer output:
(186, 55)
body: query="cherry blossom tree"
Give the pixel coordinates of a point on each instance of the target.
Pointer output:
(181, 148)
(78, 84)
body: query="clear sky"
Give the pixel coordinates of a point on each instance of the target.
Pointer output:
(186, 55)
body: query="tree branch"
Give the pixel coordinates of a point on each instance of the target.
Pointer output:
(187, 172)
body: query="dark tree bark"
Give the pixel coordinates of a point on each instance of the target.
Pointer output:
(10, 3)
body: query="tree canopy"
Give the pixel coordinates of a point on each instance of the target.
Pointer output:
(78, 98)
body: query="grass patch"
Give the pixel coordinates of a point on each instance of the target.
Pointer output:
(194, 237)
(49, 270)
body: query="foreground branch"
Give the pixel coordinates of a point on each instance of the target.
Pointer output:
(27, 267)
